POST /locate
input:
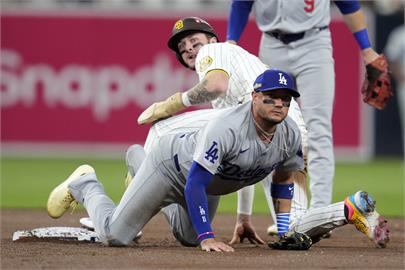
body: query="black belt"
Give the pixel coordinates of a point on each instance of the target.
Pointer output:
(288, 38)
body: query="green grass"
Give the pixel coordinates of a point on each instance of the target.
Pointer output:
(26, 183)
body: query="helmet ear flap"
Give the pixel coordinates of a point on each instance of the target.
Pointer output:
(178, 56)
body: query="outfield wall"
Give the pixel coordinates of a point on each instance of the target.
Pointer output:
(74, 83)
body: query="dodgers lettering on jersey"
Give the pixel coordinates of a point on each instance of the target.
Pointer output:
(292, 16)
(231, 171)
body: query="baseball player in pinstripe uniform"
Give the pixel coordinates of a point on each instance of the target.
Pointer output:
(240, 146)
(296, 38)
(226, 73)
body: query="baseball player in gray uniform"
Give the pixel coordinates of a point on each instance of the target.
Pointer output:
(237, 148)
(296, 38)
(226, 73)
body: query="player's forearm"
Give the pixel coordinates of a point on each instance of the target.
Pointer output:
(199, 94)
(214, 85)
(245, 200)
(196, 199)
(355, 21)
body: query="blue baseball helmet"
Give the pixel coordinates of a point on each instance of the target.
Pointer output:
(273, 79)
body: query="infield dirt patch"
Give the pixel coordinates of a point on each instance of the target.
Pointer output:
(158, 249)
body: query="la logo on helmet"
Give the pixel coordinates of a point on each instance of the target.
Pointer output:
(282, 79)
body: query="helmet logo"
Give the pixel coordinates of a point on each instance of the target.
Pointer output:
(179, 24)
(204, 63)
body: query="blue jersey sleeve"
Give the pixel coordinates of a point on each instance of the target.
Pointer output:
(238, 18)
(196, 199)
(347, 7)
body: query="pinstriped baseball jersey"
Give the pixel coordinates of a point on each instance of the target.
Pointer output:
(229, 147)
(292, 16)
(241, 66)
(243, 69)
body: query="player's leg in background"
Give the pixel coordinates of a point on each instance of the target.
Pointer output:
(317, 105)
(179, 221)
(310, 61)
(316, 84)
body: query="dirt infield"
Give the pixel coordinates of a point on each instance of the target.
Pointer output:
(158, 249)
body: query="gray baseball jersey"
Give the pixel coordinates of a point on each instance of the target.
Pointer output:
(292, 16)
(228, 146)
(231, 150)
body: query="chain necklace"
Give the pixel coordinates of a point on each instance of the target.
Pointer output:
(267, 136)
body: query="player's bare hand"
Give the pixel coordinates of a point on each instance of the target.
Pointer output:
(245, 230)
(211, 244)
(369, 55)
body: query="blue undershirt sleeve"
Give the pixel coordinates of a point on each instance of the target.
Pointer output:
(238, 18)
(196, 199)
(347, 7)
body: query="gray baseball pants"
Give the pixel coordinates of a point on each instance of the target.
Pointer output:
(152, 188)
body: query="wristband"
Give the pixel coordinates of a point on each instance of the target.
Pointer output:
(205, 235)
(362, 39)
(185, 99)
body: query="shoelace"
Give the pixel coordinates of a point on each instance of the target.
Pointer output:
(73, 204)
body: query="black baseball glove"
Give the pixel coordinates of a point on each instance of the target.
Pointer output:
(292, 241)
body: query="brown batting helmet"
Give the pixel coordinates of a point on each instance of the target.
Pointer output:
(187, 26)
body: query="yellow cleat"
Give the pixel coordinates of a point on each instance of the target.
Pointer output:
(60, 198)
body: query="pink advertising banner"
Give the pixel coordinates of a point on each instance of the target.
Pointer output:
(85, 79)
